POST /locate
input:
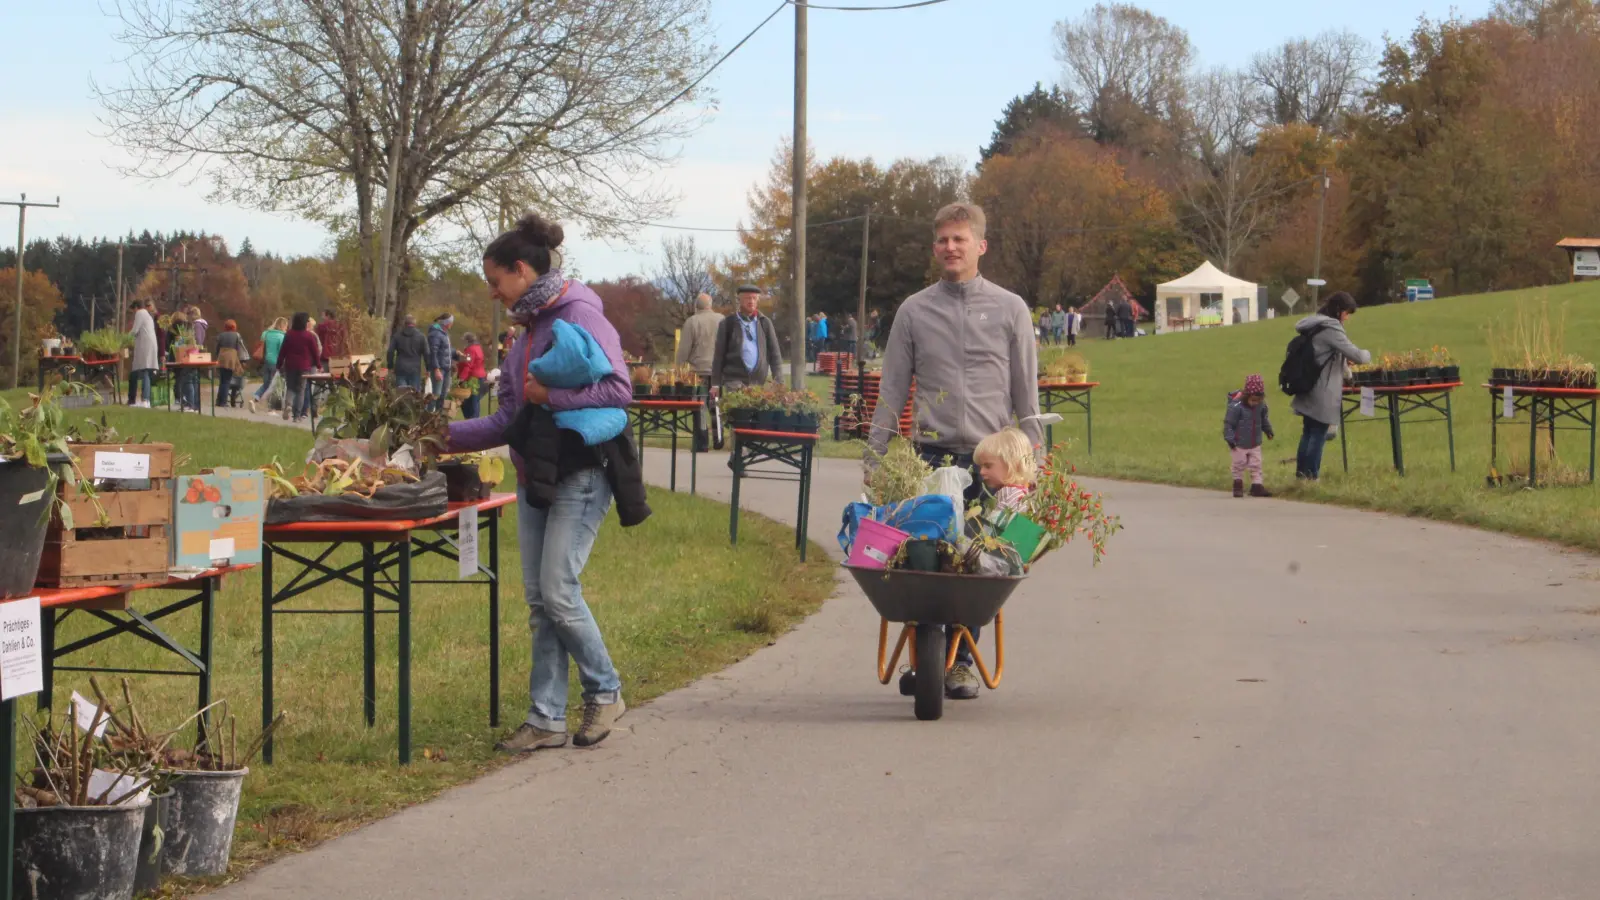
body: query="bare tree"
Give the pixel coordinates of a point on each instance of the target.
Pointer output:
(1314, 81)
(684, 272)
(382, 118)
(1128, 65)
(1227, 196)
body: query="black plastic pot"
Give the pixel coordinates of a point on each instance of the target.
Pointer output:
(152, 845)
(742, 418)
(77, 852)
(22, 528)
(922, 556)
(1450, 374)
(201, 813)
(462, 482)
(641, 391)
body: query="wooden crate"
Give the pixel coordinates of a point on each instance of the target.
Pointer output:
(132, 545)
(340, 366)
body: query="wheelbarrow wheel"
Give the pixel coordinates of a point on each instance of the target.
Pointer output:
(930, 672)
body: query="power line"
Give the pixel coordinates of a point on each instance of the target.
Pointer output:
(866, 8)
(616, 221)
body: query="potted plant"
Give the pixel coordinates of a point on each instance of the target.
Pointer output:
(688, 382)
(643, 378)
(365, 407)
(471, 476)
(80, 812)
(464, 389)
(34, 459)
(206, 784)
(104, 344)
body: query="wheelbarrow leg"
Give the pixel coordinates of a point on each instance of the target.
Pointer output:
(930, 675)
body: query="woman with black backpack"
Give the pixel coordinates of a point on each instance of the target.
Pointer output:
(1313, 372)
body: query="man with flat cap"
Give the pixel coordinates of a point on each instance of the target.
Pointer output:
(747, 346)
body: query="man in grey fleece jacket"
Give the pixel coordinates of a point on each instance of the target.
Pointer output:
(969, 345)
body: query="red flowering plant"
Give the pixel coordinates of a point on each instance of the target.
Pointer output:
(1065, 510)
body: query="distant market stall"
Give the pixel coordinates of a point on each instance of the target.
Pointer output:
(1206, 297)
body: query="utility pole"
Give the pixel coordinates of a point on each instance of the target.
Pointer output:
(861, 311)
(1316, 265)
(122, 308)
(22, 218)
(797, 343)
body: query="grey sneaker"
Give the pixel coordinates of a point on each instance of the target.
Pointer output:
(962, 683)
(527, 739)
(597, 722)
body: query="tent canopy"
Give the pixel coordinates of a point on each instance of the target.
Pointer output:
(1206, 296)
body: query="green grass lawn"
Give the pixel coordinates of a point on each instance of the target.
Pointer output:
(1158, 416)
(675, 601)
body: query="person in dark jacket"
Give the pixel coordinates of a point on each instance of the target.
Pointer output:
(564, 487)
(441, 355)
(407, 350)
(747, 346)
(1243, 427)
(298, 356)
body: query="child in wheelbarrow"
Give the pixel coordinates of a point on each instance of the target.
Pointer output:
(1243, 427)
(1006, 470)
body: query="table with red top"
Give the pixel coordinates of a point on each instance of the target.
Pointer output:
(113, 606)
(388, 549)
(672, 417)
(1055, 396)
(1547, 406)
(57, 363)
(1427, 402)
(178, 368)
(789, 450)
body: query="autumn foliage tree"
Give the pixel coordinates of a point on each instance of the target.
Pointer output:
(41, 303)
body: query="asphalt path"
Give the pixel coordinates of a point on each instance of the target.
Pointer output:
(1248, 699)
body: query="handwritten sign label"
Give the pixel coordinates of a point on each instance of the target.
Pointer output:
(1508, 403)
(467, 542)
(1369, 402)
(85, 713)
(121, 465)
(21, 658)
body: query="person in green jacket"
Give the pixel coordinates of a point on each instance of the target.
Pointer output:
(271, 340)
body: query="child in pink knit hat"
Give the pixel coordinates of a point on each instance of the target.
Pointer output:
(1244, 426)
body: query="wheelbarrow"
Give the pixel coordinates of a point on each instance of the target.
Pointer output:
(927, 606)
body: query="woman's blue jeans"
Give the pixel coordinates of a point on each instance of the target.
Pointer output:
(1308, 461)
(555, 546)
(140, 378)
(267, 371)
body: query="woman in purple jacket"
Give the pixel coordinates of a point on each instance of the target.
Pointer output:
(555, 540)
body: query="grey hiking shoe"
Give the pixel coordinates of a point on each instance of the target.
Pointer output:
(597, 721)
(527, 739)
(962, 683)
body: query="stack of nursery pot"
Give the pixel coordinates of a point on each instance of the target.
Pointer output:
(79, 816)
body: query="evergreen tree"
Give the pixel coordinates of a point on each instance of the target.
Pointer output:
(1027, 112)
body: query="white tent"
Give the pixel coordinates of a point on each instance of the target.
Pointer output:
(1206, 296)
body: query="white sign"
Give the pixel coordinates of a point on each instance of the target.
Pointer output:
(21, 655)
(117, 789)
(1508, 403)
(1316, 282)
(222, 550)
(1586, 263)
(1369, 402)
(467, 542)
(121, 465)
(84, 712)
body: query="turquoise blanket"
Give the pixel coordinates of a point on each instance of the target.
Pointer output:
(576, 360)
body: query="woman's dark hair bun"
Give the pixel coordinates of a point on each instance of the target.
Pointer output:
(540, 231)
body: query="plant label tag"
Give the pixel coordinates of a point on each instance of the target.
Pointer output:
(1369, 402)
(21, 658)
(222, 550)
(121, 465)
(467, 542)
(1508, 402)
(84, 711)
(116, 788)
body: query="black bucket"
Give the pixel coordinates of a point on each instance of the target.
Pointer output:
(152, 845)
(77, 852)
(463, 484)
(200, 817)
(23, 520)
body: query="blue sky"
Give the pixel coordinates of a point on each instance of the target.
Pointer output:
(921, 83)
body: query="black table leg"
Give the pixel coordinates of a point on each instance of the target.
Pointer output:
(1450, 428)
(403, 593)
(8, 765)
(47, 635)
(1394, 434)
(208, 596)
(266, 649)
(369, 638)
(733, 505)
(494, 618)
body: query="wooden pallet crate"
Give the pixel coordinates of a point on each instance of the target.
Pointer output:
(132, 544)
